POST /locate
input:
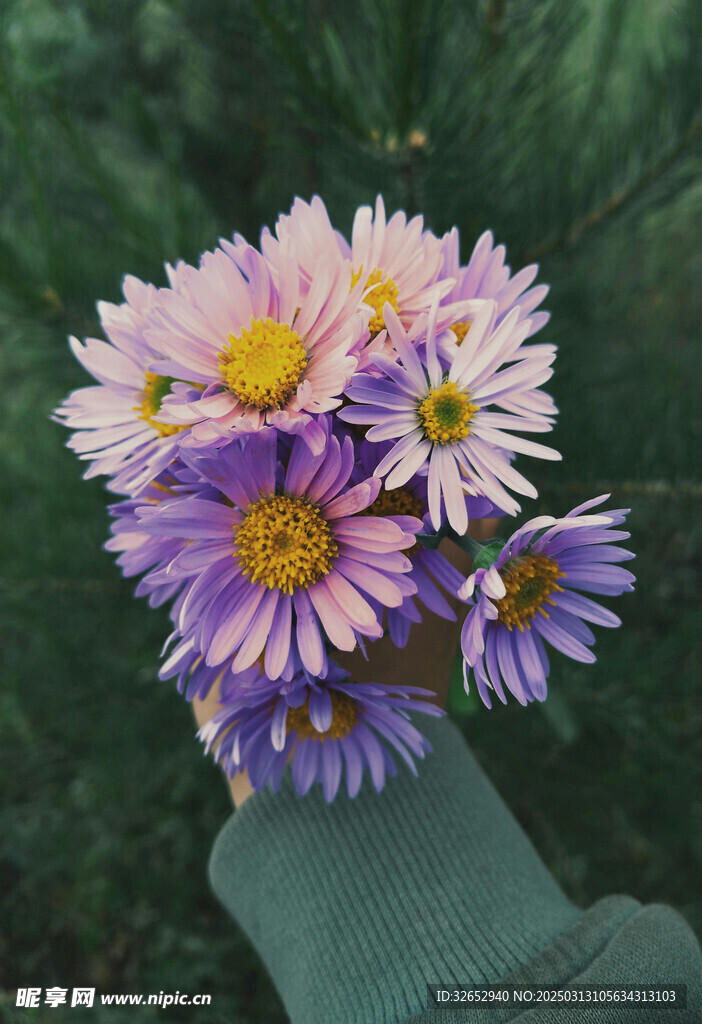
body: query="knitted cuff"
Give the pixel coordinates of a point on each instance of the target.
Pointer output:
(356, 906)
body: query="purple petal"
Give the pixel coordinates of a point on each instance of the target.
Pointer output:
(452, 489)
(356, 499)
(372, 391)
(309, 640)
(354, 766)
(302, 467)
(429, 594)
(571, 624)
(586, 505)
(349, 599)
(191, 518)
(230, 634)
(583, 606)
(324, 475)
(371, 533)
(388, 427)
(258, 632)
(508, 667)
(373, 752)
(304, 765)
(598, 579)
(399, 451)
(409, 465)
(320, 709)
(525, 652)
(563, 641)
(375, 583)
(278, 644)
(492, 666)
(334, 621)
(602, 553)
(348, 459)
(278, 732)
(331, 769)
(481, 680)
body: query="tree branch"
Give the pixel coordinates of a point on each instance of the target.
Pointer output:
(617, 200)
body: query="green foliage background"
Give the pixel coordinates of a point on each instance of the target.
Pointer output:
(137, 132)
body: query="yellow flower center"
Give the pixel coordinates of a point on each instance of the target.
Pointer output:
(398, 502)
(263, 365)
(155, 390)
(344, 718)
(530, 580)
(385, 291)
(284, 542)
(445, 414)
(460, 329)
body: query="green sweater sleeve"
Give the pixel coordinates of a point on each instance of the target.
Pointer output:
(355, 907)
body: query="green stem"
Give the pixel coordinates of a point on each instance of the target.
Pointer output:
(431, 541)
(473, 547)
(482, 553)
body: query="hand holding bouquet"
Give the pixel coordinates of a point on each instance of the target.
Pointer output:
(291, 431)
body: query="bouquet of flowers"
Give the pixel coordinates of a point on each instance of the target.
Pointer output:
(291, 430)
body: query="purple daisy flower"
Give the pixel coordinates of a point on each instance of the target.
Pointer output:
(282, 554)
(530, 595)
(325, 728)
(442, 419)
(487, 277)
(265, 353)
(114, 422)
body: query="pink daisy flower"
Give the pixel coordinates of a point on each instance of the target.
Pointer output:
(115, 423)
(396, 260)
(265, 353)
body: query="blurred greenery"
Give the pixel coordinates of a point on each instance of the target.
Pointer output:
(138, 132)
